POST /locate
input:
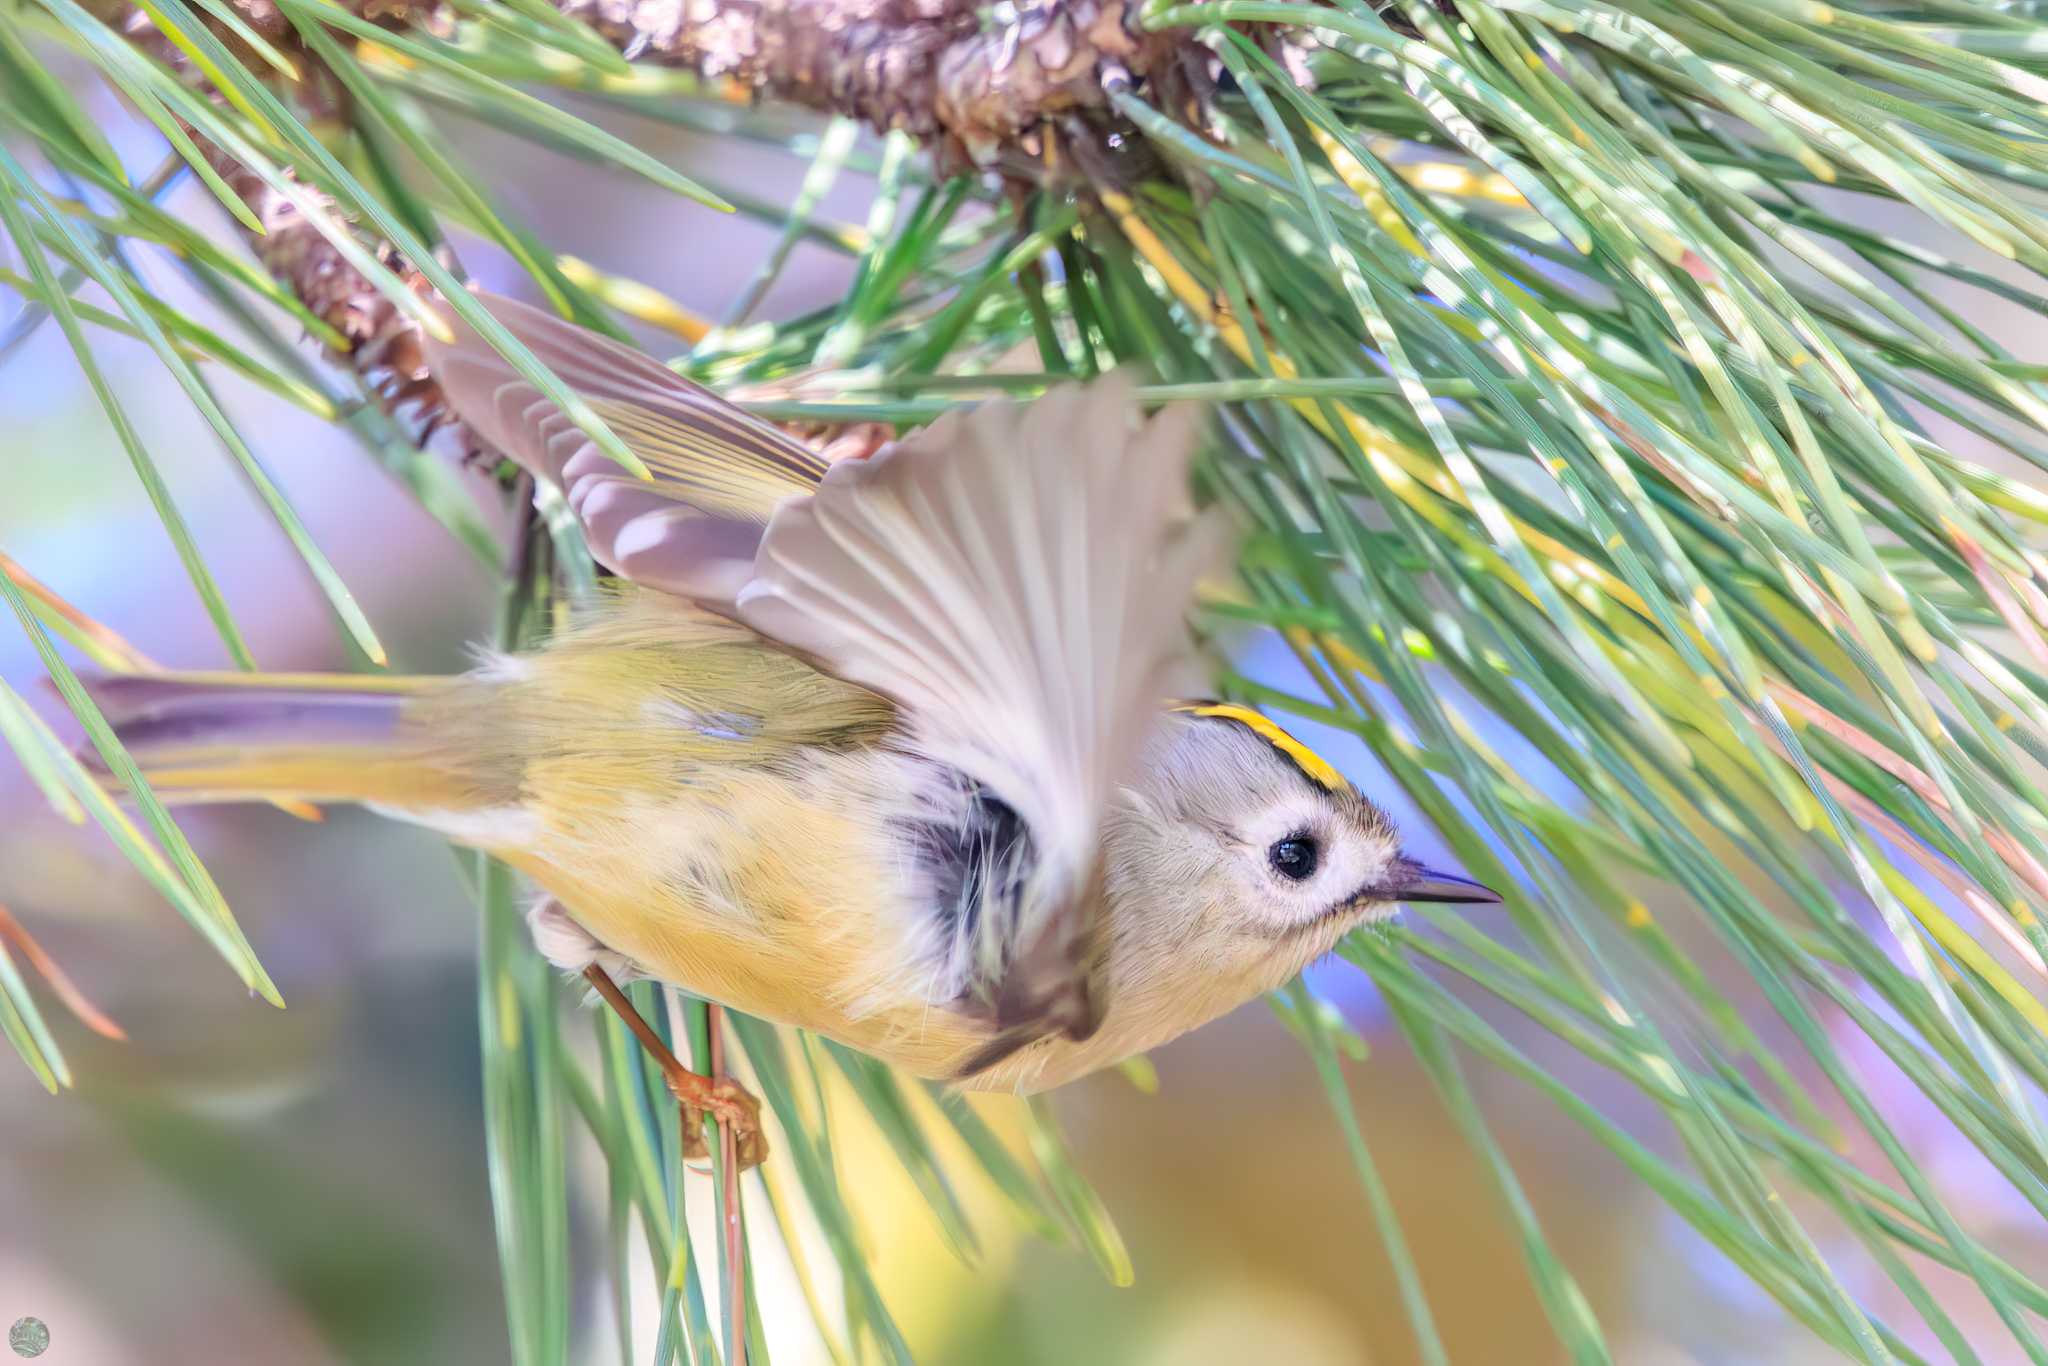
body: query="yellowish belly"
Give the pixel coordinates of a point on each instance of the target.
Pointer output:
(743, 891)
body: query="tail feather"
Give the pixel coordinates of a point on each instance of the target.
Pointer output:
(223, 737)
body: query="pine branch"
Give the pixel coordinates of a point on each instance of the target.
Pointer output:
(1005, 96)
(375, 338)
(926, 67)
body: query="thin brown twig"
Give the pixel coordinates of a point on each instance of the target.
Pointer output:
(732, 1224)
(2024, 628)
(2009, 850)
(975, 83)
(16, 936)
(108, 648)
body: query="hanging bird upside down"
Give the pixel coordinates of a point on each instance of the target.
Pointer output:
(878, 749)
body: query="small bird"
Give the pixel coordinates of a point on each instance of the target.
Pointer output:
(880, 748)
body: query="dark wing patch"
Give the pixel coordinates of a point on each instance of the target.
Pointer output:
(980, 866)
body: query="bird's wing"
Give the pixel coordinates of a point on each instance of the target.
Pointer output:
(1015, 578)
(719, 474)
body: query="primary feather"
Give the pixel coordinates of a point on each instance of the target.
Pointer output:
(719, 474)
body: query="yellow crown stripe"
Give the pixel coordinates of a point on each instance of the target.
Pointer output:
(1307, 760)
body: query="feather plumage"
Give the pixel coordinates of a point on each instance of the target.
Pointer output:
(718, 813)
(1014, 577)
(719, 474)
(224, 737)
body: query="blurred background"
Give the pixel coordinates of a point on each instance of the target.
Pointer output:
(308, 1186)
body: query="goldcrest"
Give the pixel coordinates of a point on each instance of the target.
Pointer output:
(879, 748)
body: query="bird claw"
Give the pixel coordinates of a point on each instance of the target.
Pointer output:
(726, 1102)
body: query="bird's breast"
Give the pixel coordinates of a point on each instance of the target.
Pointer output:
(804, 892)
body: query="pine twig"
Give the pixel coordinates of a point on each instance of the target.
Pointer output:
(1006, 95)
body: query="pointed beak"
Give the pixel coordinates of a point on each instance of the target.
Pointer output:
(1426, 884)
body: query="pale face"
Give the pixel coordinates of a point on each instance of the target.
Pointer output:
(1239, 847)
(1239, 842)
(1297, 859)
(1230, 868)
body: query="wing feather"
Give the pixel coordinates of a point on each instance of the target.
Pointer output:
(1015, 578)
(719, 474)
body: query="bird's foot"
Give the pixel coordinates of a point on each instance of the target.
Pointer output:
(725, 1101)
(720, 1097)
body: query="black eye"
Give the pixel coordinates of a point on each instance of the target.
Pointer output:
(1293, 858)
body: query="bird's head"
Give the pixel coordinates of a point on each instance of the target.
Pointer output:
(1251, 846)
